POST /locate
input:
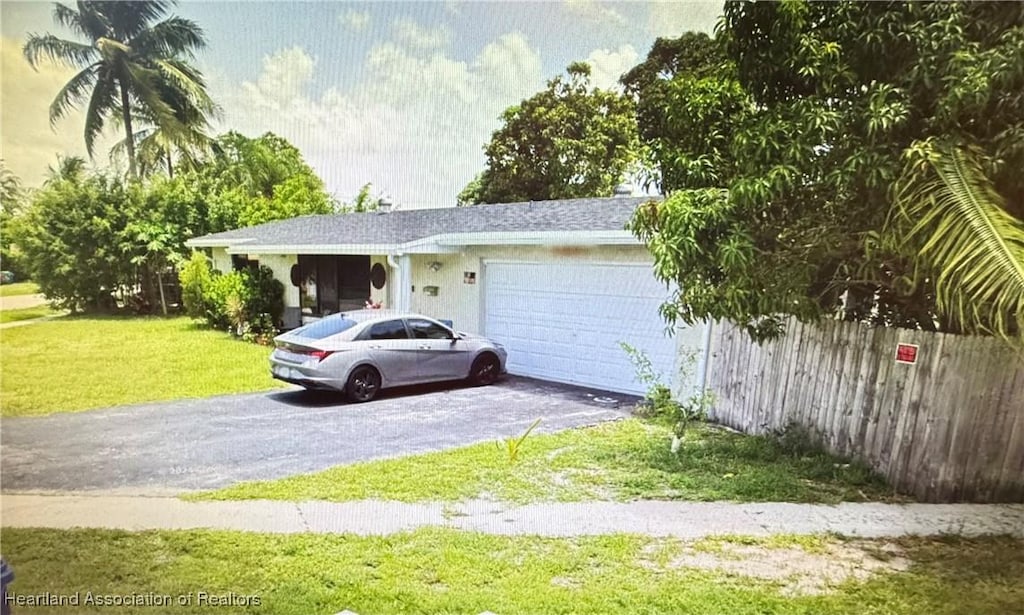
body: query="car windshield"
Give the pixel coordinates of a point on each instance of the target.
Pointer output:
(324, 328)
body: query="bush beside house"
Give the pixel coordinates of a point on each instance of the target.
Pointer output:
(248, 303)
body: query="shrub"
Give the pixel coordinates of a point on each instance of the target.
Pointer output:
(247, 303)
(196, 278)
(217, 299)
(265, 295)
(659, 402)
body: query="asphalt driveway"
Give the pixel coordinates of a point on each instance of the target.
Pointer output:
(186, 445)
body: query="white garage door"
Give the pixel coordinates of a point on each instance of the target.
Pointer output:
(564, 322)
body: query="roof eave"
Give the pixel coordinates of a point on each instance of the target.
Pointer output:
(214, 242)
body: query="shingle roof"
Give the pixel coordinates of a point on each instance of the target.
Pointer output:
(403, 226)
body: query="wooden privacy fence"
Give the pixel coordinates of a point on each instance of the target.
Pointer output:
(949, 427)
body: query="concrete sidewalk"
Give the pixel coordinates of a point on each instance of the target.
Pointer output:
(20, 302)
(653, 518)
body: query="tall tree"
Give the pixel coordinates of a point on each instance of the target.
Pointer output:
(867, 166)
(247, 181)
(133, 57)
(68, 168)
(165, 147)
(11, 197)
(569, 140)
(685, 149)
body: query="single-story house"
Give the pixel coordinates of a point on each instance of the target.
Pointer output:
(559, 283)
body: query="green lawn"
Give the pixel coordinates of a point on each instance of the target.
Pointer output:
(26, 313)
(18, 288)
(621, 460)
(446, 571)
(78, 363)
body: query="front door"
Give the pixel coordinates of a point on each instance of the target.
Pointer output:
(327, 284)
(353, 282)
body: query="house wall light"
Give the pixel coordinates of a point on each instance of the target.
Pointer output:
(434, 266)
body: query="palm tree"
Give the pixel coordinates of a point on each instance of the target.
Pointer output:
(955, 223)
(130, 62)
(68, 168)
(157, 145)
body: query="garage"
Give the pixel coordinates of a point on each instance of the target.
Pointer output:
(563, 322)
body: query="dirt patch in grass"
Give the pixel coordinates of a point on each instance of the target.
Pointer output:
(798, 570)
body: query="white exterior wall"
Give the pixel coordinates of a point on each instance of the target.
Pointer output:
(281, 265)
(461, 303)
(221, 259)
(382, 296)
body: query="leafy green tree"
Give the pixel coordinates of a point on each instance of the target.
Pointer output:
(363, 202)
(71, 235)
(686, 150)
(568, 141)
(251, 181)
(472, 193)
(133, 59)
(11, 198)
(848, 144)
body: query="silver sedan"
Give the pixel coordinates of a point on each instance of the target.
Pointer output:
(364, 351)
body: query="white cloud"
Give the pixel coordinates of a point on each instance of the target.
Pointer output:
(607, 66)
(411, 34)
(354, 20)
(672, 19)
(596, 13)
(29, 143)
(414, 127)
(285, 76)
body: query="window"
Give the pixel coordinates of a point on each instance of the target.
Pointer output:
(388, 330)
(241, 262)
(424, 329)
(325, 328)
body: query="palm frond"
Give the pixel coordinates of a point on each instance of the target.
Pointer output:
(128, 19)
(73, 93)
(146, 85)
(57, 50)
(950, 214)
(72, 20)
(69, 168)
(101, 104)
(92, 19)
(174, 36)
(189, 82)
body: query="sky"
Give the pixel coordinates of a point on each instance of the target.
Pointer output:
(403, 95)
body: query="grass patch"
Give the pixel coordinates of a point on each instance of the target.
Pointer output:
(18, 288)
(77, 363)
(623, 460)
(26, 313)
(446, 571)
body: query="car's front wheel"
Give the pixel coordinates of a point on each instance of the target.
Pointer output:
(363, 384)
(485, 370)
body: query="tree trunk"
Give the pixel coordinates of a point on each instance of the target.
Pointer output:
(160, 284)
(126, 112)
(170, 167)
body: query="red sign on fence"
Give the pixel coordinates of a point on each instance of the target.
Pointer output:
(906, 353)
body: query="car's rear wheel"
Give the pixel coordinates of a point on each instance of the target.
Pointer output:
(363, 384)
(485, 370)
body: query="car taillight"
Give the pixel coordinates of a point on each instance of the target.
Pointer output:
(320, 355)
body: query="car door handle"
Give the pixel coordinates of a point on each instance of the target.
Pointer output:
(376, 347)
(425, 347)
